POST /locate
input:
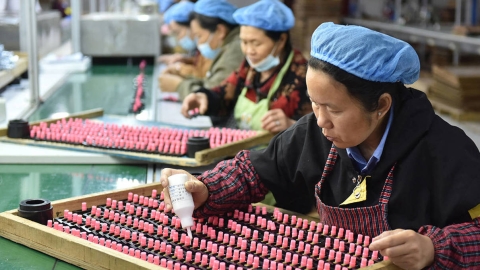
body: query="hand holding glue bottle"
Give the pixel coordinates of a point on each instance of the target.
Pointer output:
(184, 193)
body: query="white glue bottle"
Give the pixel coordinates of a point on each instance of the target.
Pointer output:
(182, 200)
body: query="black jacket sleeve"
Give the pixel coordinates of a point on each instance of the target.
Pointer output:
(287, 170)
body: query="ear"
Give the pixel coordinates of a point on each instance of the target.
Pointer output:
(384, 104)
(222, 31)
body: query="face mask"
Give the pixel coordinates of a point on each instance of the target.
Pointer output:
(171, 41)
(269, 62)
(207, 51)
(187, 43)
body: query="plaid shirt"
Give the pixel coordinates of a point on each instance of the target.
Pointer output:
(234, 184)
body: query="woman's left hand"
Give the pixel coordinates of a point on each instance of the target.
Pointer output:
(406, 249)
(169, 82)
(275, 121)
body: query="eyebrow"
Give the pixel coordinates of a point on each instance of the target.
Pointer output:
(249, 39)
(322, 104)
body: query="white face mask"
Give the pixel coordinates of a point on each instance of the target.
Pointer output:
(206, 50)
(269, 62)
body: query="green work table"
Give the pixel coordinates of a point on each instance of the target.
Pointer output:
(109, 87)
(55, 182)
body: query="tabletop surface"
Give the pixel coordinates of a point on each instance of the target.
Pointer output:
(54, 182)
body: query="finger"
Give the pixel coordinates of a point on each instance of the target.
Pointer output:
(268, 118)
(386, 233)
(164, 174)
(388, 241)
(185, 110)
(186, 105)
(166, 200)
(203, 104)
(164, 181)
(267, 115)
(198, 190)
(269, 126)
(194, 186)
(162, 58)
(394, 253)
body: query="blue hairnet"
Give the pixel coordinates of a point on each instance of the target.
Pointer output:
(216, 8)
(179, 12)
(365, 53)
(163, 5)
(270, 15)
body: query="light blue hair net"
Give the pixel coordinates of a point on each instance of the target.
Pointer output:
(217, 9)
(365, 53)
(179, 12)
(270, 15)
(163, 5)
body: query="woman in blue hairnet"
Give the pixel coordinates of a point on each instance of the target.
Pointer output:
(373, 155)
(216, 34)
(177, 17)
(268, 90)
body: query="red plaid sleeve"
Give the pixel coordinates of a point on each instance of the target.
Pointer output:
(232, 184)
(456, 246)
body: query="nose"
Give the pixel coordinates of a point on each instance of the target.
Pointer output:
(249, 50)
(322, 120)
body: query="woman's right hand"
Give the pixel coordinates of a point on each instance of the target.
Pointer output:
(198, 189)
(193, 101)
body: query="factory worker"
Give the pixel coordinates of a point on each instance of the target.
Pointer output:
(216, 33)
(373, 155)
(268, 90)
(177, 17)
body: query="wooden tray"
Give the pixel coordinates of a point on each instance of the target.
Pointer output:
(204, 157)
(86, 254)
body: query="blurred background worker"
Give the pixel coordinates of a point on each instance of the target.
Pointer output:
(216, 34)
(268, 90)
(190, 63)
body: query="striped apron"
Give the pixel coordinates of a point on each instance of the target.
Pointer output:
(371, 220)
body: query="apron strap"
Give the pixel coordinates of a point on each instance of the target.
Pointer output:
(387, 186)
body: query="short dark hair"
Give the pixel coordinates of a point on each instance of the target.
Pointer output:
(365, 91)
(210, 23)
(275, 36)
(186, 24)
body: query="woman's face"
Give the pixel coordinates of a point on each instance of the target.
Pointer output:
(342, 118)
(179, 31)
(256, 45)
(202, 35)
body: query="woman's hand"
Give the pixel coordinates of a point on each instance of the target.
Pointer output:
(193, 101)
(405, 248)
(275, 121)
(170, 58)
(173, 69)
(169, 82)
(180, 69)
(193, 185)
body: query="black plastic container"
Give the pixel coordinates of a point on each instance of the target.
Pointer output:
(38, 210)
(195, 144)
(18, 129)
